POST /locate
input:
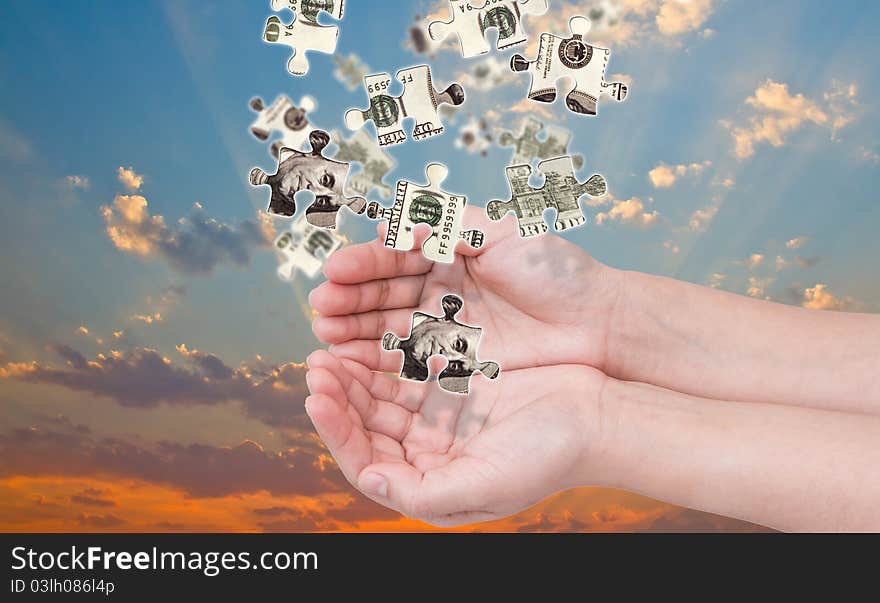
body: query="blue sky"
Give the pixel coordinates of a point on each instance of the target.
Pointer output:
(791, 214)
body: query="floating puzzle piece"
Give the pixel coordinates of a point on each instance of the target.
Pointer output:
(474, 137)
(574, 58)
(470, 20)
(304, 33)
(309, 171)
(285, 117)
(442, 336)
(527, 146)
(561, 191)
(419, 101)
(350, 70)
(375, 163)
(306, 248)
(426, 204)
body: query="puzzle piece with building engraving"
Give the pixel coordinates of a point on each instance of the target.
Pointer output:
(282, 116)
(470, 20)
(309, 171)
(304, 33)
(561, 191)
(442, 336)
(426, 204)
(306, 248)
(529, 145)
(572, 58)
(419, 100)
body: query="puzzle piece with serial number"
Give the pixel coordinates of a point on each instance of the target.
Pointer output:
(419, 101)
(304, 33)
(283, 116)
(309, 171)
(528, 145)
(470, 20)
(427, 204)
(306, 248)
(442, 336)
(572, 58)
(561, 191)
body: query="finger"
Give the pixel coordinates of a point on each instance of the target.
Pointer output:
(408, 394)
(347, 442)
(369, 352)
(367, 325)
(373, 261)
(334, 299)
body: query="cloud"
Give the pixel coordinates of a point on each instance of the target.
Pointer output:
(91, 498)
(716, 279)
(819, 297)
(100, 521)
(631, 211)
(143, 378)
(148, 318)
(701, 218)
(754, 260)
(664, 176)
(671, 246)
(681, 16)
(758, 286)
(796, 243)
(130, 179)
(74, 182)
(776, 113)
(194, 245)
(781, 263)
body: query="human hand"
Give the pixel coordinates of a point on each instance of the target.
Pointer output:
(449, 459)
(540, 302)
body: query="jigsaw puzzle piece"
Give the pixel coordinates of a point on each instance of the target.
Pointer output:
(561, 192)
(284, 117)
(570, 57)
(470, 20)
(527, 145)
(306, 248)
(426, 204)
(419, 101)
(444, 336)
(304, 33)
(375, 163)
(309, 171)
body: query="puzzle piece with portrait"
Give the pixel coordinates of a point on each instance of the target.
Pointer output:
(419, 100)
(304, 33)
(561, 191)
(309, 171)
(416, 204)
(282, 116)
(470, 20)
(306, 248)
(529, 144)
(570, 58)
(442, 336)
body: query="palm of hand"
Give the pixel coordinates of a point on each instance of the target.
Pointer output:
(444, 458)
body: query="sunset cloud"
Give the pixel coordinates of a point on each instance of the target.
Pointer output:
(665, 176)
(631, 211)
(75, 181)
(130, 179)
(819, 297)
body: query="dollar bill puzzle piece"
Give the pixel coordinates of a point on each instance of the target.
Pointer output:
(309, 171)
(375, 163)
(350, 70)
(283, 116)
(304, 33)
(474, 137)
(527, 145)
(470, 20)
(570, 57)
(306, 248)
(561, 191)
(426, 204)
(419, 101)
(442, 336)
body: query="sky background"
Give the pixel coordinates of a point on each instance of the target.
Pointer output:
(151, 373)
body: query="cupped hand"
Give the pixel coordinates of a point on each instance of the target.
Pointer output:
(449, 459)
(541, 301)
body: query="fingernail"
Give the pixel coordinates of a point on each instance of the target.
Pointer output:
(373, 483)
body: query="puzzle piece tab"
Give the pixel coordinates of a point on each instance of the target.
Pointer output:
(570, 57)
(304, 33)
(306, 248)
(427, 204)
(470, 20)
(561, 191)
(284, 117)
(528, 147)
(442, 336)
(419, 101)
(309, 171)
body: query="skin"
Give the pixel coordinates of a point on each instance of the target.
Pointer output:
(701, 398)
